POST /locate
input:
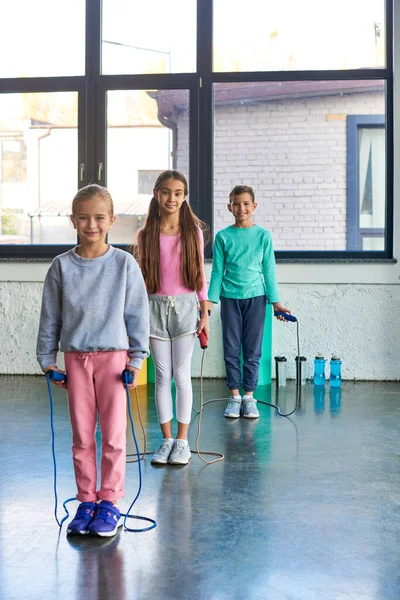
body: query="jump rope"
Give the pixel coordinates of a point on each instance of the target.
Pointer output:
(277, 314)
(127, 378)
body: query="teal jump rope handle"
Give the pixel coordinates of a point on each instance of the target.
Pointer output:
(56, 376)
(286, 316)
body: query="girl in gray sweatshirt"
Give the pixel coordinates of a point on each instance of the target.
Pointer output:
(95, 310)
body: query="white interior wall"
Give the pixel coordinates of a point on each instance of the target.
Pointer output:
(355, 320)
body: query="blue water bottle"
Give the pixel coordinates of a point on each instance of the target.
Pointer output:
(319, 370)
(335, 377)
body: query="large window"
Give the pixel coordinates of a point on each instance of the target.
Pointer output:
(142, 141)
(266, 35)
(294, 99)
(38, 157)
(288, 140)
(156, 36)
(45, 38)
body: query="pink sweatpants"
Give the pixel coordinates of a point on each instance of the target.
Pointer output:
(94, 385)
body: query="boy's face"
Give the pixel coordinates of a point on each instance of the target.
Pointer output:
(242, 208)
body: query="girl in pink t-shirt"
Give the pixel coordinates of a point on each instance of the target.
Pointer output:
(171, 256)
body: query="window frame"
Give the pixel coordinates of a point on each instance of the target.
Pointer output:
(93, 86)
(355, 233)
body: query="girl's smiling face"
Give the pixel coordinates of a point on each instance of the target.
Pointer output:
(170, 196)
(92, 220)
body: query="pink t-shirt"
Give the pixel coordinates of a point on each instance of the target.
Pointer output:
(170, 267)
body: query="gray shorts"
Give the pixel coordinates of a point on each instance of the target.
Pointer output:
(172, 317)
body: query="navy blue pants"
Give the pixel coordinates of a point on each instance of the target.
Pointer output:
(242, 331)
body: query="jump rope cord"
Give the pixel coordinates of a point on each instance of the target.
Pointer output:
(298, 390)
(59, 523)
(125, 515)
(218, 454)
(197, 451)
(144, 453)
(199, 413)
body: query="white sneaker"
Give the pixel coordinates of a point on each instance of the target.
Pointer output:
(180, 454)
(161, 456)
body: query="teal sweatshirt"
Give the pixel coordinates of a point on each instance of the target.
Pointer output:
(243, 265)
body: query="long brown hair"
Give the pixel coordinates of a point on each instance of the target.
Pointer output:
(149, 241)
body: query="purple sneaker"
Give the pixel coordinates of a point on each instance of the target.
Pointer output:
(84, 515)
(106, 520)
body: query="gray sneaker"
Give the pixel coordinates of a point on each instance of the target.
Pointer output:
(250, 410)
(161, 456)
(180, 454)
(233, 408)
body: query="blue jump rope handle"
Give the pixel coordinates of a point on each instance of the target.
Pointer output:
(127, 376)
(286, 316)
(56, 376)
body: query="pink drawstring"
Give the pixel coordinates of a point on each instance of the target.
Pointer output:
(85, 357)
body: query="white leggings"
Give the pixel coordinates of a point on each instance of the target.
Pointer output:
(172, 359)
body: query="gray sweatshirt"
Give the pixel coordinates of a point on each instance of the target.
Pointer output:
(94, 305)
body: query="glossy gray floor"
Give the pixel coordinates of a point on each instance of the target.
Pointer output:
(302, 509)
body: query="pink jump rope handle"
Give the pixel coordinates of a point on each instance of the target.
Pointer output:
(203, 340)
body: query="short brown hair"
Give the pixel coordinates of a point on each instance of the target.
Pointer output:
(241, 189)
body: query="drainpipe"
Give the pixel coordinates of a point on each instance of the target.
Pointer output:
(172, 125)
(41, 137)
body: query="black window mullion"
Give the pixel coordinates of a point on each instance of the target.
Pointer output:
(194, 162)
(389, 228)
(82, 139)
(26, 85)
(92, 70)
(330, 75)
(159, 81)
(205, 137)
(100, 175)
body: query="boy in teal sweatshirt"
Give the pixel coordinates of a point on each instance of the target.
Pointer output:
(243, 277)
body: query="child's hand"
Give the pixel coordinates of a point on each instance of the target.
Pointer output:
(135, 375)
(278, 307)
(60, 384)
(204, 325)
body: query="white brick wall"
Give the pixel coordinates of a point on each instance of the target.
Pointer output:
(294, 157)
